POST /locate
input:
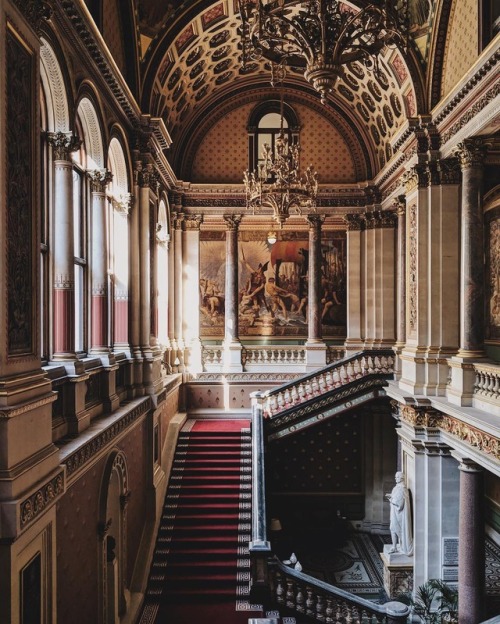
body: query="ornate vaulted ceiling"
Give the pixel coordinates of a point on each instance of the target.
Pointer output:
(192, 78)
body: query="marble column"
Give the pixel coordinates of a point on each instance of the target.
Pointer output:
(191, 290)
(232, 344)
(471, 557)
(147, 180)
(178, 291)
(354, 340)
(63, 253)
(471, 154)
(99, 334)
(315, 347)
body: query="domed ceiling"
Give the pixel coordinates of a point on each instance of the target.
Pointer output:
(193, 74)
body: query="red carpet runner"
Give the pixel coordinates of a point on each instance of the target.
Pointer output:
(201, 565)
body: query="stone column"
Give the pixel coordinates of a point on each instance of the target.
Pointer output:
(99, 334)
(471, 557)
(147, 179)
(470, 153)
(384, 262)
(178, 290)
(315, 347)
(62, 249)
(232, 344)
(191, 290)
(354, 340)
(135, 280)
(400, 279)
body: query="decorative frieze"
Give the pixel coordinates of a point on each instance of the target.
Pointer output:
(412, 268)
(420, 416)
(88, 451)
(34, 505)
(478, 439)
(63, 144)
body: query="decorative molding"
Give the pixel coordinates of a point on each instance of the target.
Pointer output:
(420, 416)
(12, 412)
(51, 71)
(123, 203)
(272, 377)
(412, 267)
(192, 222)
(399, 205)
(31, 507)
(88, 451)
(478, 439)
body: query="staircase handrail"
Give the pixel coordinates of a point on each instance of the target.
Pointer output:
(377, 362)
(326, 603)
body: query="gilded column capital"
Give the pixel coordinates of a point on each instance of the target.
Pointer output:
(63, 143)
(315, 220)
(99, 179)
(123, 203)
(417, 176)
(471, 152)
(449, 170)
(146, 176)
(399, 205)
(354, 222)
(177, 220)
(192, 222)
(232, 221)
(35, 12)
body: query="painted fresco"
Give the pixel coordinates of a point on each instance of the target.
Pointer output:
(273, 285)
(493, 276)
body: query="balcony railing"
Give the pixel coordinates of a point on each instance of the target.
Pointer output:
(487, 386)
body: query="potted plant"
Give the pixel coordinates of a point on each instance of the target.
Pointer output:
(434, 602)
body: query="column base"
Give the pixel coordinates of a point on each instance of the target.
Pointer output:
(315, 354)
(398, 572)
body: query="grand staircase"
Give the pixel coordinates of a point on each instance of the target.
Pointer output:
(201, 562)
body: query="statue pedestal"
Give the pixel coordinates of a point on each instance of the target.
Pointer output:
(398, 572)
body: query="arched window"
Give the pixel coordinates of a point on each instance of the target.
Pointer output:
(265, 125)
(490, 21)
(44, 233)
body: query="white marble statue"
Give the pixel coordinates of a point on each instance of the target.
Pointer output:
(401, 524)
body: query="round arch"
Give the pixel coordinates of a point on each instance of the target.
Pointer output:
(54, 87)
(92, 134)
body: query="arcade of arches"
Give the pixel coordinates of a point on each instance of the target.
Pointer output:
(139, 290)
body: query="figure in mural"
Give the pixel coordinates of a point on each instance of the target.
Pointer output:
(277, 296)
(211, 298)
(400, 522)
(256, 286)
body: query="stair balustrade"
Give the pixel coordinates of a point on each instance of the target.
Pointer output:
(271, 581)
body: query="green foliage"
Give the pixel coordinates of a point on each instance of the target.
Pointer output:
(434, 602)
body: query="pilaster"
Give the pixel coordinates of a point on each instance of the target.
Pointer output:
(191, 290)
(232, 344)
(315, 347)
(354, 340)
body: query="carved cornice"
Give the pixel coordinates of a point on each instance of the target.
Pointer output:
(34, 505)
(99, 179)
(88, 451)
(63, 144)
(420, 416)
(471, 152)
(35, 12)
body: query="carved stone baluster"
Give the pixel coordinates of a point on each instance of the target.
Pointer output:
(308, 389)
(310, 604)
(364, 366)
(272, 404)
(350, 371)
(280, 590)
(336, 378)
(315, 387)
(320, 608)
(300, 600)
(357, 368)
(301, 392)
(378, 366)
(295, 395)
(496, 386)
(343, 374)
(281, 401)
(329, 612)
(322, 384)
(290, 595)
(370, 367)
(383, 363)
(328, 379)
(288, 398)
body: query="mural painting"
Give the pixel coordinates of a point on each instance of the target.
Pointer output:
(273, 284)
(493, 276)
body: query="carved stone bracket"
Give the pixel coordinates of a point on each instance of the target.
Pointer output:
(420, 416)
(63, 144)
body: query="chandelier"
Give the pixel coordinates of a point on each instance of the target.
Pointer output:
(278, 183)
(321, 36)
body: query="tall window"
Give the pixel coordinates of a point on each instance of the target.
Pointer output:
(264, 128)
(490, 21)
